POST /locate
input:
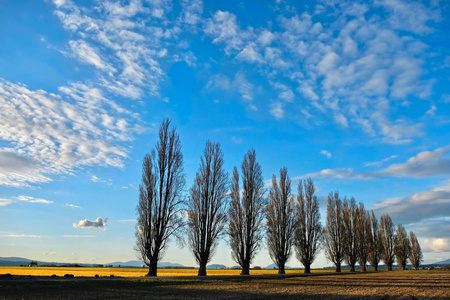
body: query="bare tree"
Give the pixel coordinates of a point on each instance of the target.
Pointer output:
(350, 233)
(207, 206)
(415, 252)
(362, 233)
(160, 197)
(334, 231)
(401, 246)
(308, 234)
(373, 240)
(387, 240)
(247, 212)
(280, 212)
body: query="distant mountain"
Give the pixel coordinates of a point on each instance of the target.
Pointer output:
(139, 264)
(19, 261)
(274, 266)
(13, 261)
(216, 266)
(444, 262)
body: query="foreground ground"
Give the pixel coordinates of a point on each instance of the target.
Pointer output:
(382, 285)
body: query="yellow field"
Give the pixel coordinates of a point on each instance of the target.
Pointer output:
(127, 272)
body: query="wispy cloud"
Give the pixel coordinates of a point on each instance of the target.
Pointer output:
(23, 236)
(72, 205)
(4, 202)
(99, 223)
(425, 164)
(33, 200)
(53, 135)
(354, 77)
(78, 236)
(379, 163)
(326, 153)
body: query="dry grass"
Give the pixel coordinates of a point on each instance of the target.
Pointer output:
(381, 285)
(126, 272)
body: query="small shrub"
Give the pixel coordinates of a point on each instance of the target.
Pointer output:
(69, 275)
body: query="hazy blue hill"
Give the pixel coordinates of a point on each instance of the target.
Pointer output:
(444, 262)
(138, 263)
(274, 266)
(216, 266)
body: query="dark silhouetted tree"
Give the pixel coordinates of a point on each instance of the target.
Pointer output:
(308, 233)
(334, 231)
(387, 240)
(280, 212)
(362, 235)
(160, 199)
(415, 252)
(350, 233)
(246, 212)
(374, 242)
(401, 246)
(207, 206)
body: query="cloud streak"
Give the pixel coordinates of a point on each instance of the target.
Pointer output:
(425, 164)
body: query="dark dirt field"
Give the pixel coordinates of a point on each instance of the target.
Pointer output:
(383, 285)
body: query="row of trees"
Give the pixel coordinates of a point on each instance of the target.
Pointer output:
(354, 235)
(241, 210)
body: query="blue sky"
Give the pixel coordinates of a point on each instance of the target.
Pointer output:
(354, 94)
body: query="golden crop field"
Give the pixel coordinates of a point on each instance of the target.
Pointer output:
(127, 272)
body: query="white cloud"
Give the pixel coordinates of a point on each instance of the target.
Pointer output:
(326, 153)
(33, 200)
(236, 140)
(51, 134)
(78, 236)
(89, 55)
(99, 223)
(417, 206)
(379, 163)
(431, 111)
(4, 202)
(72, 205)
(191, 11)
(239, 84)
(23, 236)
(352, 69)
(425, 164)
(276, 110)
(436, 245)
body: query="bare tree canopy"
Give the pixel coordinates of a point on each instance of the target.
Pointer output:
(246, 212)
(308, 233)
(160, 197)
(374, 243)
(415, 252)
(334, 231)
(207, 206)
(387, 240)
(350, 234)
(280, 213)
(362, 233)
(401, 246)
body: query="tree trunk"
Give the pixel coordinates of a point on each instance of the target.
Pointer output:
(364, 268)
(352, 268)
(338, 268)
(376, 268)
(307, 269)
(246, 268)
(152, 269)
(404, 267)
(202, 269)
(390, 268)
(281, 269)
